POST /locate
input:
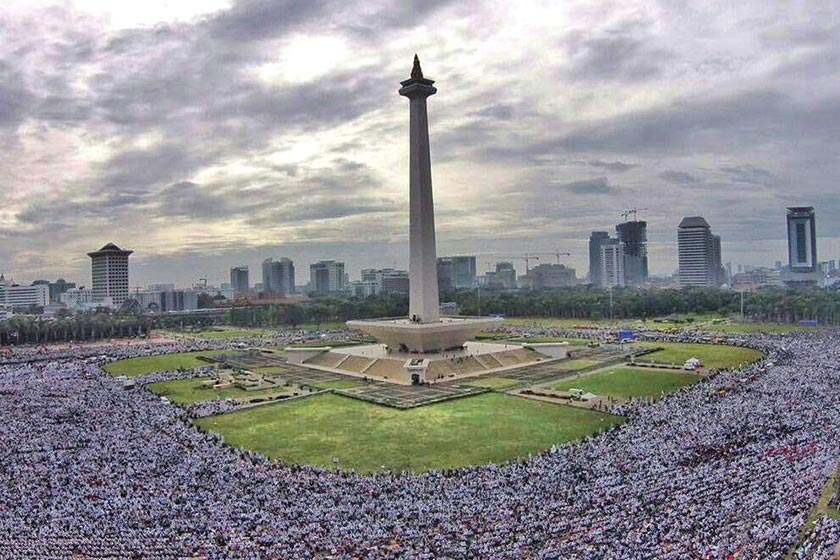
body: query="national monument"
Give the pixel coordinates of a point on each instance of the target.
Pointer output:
(424, 330)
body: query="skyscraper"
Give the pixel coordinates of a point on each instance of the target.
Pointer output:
(699, 253)
(596, 239)
(633, 235)
(109, 274)
(239, 281)
(465, 271)
(326, 277)
(803, 267)
(278, 277)
(612, 263)
(445, 273)
(802, 238)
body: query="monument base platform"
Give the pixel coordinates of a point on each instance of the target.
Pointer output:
(404, 335)
(380, 363)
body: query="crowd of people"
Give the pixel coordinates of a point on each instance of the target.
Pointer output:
(729, 468)
(821, 541)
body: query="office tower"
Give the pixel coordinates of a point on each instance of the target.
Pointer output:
(109, 274)
(445, 273)
(633, 235)
(326, 277)
(802, 239)
(239, 281)
(596, 239)
(465, 271)
(699, 253)
(278, 277)
(612, 263)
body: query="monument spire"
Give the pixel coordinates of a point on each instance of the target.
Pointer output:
(423, 300)
(416, 71)
(424, 330)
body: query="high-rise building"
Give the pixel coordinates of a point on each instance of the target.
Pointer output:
(465, 271)
(278, 277)
(699, 253)
(612, 263)
(326, 277)
(445, 273)
(596, 239)
(802, 239)
(456, 272)
(239, 281)
(633, 235)
(109, 274)
(803, 268)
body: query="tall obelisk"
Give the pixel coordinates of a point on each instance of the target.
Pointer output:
(424, 302)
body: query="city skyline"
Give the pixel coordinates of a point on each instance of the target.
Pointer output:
(223, 137)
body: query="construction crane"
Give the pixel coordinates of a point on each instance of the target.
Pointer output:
(556, 254)
(633, 211)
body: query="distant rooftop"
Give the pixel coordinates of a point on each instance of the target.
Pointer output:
(110, 248)
(693, 222)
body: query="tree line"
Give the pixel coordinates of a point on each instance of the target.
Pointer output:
(774, 305)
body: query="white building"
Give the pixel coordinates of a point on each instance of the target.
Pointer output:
(19, 297)
(81, 299)
(167, 300)
(612, 263)
(109, 272)
(699, 253)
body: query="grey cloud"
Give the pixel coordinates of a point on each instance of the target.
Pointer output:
(499, 112)
(598, 185)
(626, 53)
(747, 173)
(615, 166)
(679, 177)
(251, 20)
(715, 123)
(15, 98)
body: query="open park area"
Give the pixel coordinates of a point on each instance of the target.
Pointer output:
(137, 367)
(630, 382)
(713, 356)
(488, 428)
(365, 425)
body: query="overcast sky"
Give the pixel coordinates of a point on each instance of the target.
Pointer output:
(207, 134)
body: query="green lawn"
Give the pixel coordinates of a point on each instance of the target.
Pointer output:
(625, 382)
(135, 367)
(487, 428)
(498, 383)
(231, 334)
(713, 356)
(191, 391)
